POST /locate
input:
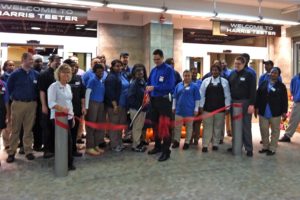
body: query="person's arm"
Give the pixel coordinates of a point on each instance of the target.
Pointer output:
(174, 100)
(11, 84)
(285, 103)
(6, 102)
(292, 86)
(197, 100)
(111, 90)
(87, 97)
(202, 93)
(82, 96)
(226, 93)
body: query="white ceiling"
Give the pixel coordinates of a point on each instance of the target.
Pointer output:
(276, 4)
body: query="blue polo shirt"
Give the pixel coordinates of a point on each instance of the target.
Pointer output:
(186, 98)
(22, 85)
(98, 89)
(198, 83)
(124, 90)
(266, 77)
(162, 77)
(295, 88)
(268, 112)
(89, 75)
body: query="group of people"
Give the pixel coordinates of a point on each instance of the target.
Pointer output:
(30, 97)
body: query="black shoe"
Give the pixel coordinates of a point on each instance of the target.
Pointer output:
(10, 158)
(48, 155)
(30, 156)
(263, 151)
(77, 154)
(215, 148)
(164, 157)
(271, 153)
(204, 149)
(285, 139)
(249, 154)
(221, 142)
(175, 144)
(145, 143)
(102, 145)
(229, 149)
(71, 168)
(154, 151)
(21, 151)
(186, 146)
(80, 141)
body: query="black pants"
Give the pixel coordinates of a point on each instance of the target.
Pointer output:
(161, 106)
(74, 132)
(48, 132)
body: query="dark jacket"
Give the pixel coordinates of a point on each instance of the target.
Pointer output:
(277, 99)
(113, 86)
(136, 93)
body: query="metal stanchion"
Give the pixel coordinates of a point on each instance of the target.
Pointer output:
(237, 132)
(61, 148)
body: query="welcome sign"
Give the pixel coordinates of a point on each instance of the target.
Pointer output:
(250, 29)
(42, 13)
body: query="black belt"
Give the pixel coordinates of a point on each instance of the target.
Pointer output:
(25, 100)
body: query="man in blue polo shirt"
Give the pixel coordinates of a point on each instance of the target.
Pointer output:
(295, 116)
(186, 101)
(161, 84)
(22, 86)
(90, 74)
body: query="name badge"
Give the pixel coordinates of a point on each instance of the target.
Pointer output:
(273, 89)
(161, 79)
(77, 83)
(35, 81)
(187, 88)
(242, 79)
(3, 89)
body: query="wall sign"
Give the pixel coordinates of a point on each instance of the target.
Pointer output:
(250, 29)
(15, 11)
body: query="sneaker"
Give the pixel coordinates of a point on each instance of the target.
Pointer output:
(10, 158)
(271, 153)
(30, 156)
(215, 148)
(185, 146)
(263, 151)
(97, 148)
(21, 151)
(175, 144)
(204, 149)
(285, 139)
(92, 152)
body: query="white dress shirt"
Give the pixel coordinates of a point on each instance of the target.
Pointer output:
(215, 81)
(61, 95)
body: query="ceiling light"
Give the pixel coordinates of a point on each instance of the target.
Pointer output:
(190, 13)
(225, 16)
(135, 8)
(279, 22)
(76, 2)
(90, 29)
(35, 28)
(80, 25)
(78, 28)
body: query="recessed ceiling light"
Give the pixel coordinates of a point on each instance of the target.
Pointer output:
(35, 28)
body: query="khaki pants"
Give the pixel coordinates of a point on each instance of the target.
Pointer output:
(294, 120)
(137, 126)
(96, 113)
(116, 118)
(264, 125)
(212, 128)
(22, 113)
(189, 129)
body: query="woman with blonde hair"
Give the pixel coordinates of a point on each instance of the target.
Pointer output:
(60, 100)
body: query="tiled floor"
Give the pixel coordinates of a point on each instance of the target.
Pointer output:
(187, 175)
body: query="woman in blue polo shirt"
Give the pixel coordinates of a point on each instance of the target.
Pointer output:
(95, 110)
(186, 100)
(215, 94)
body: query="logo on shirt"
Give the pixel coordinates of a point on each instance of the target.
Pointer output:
(161, 79)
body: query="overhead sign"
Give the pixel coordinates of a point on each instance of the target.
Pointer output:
(250, 29)
(32, 12)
